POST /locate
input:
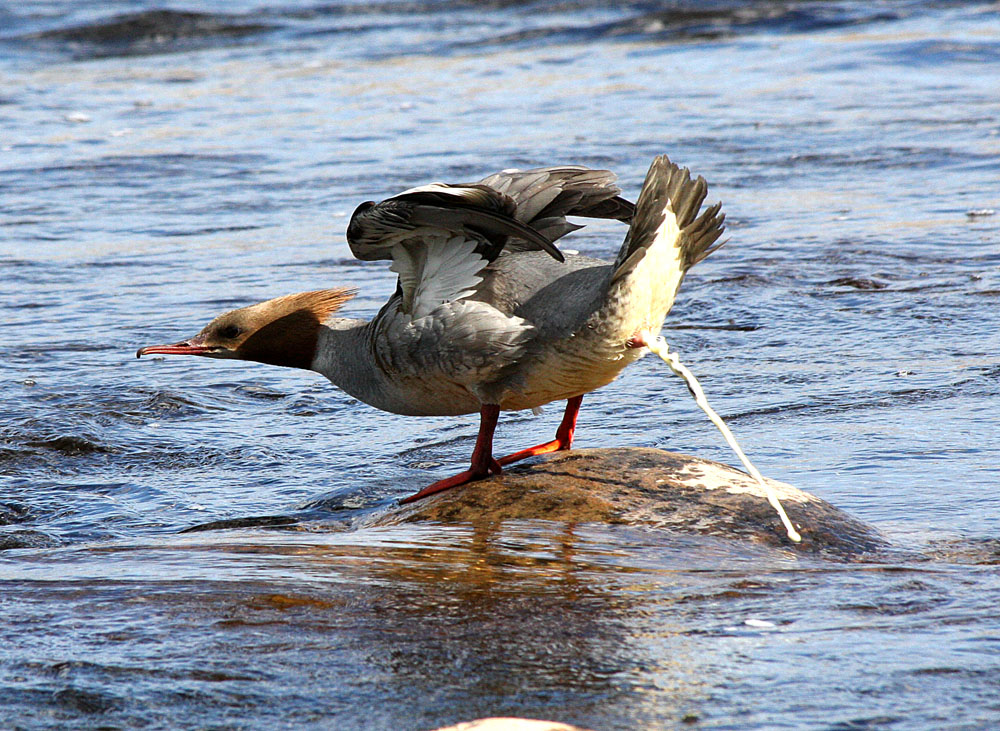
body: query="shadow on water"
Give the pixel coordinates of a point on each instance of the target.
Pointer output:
(520, 622)
(534, 618)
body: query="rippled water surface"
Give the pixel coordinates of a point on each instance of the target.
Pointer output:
(160, 163)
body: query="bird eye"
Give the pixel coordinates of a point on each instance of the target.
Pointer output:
(229, 332)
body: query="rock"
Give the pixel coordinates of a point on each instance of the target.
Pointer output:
(648, 486)
(154, 27)
(25, 538)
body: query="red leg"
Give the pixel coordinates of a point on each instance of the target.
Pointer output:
(482, 458)
(564, 435)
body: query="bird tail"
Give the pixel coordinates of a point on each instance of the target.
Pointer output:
(666, 237)
(666, 216)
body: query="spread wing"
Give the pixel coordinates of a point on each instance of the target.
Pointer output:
(439, 238)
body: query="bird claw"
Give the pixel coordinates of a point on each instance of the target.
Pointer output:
(462, 478)
(554, 446)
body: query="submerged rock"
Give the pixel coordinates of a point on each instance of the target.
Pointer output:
(25, 539)
(152, 31)
(648, 486)
(157, 26)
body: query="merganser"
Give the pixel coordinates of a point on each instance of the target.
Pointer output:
(488, 314)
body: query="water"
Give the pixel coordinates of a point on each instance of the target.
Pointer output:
(156, 172)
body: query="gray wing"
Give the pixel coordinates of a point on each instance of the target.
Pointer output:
(476, 211)
(439, 238)
(543, 197)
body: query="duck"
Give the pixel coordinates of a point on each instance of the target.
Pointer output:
(488, 315)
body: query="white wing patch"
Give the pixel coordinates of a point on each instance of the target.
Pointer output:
(429, 188)
(442, 267)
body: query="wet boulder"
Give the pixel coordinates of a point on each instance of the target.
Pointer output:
(639, 486)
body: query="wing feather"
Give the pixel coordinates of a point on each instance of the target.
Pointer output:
(438, 269)
(439, 238)
(543, 197)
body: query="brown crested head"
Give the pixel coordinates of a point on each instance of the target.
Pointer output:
(283, 331)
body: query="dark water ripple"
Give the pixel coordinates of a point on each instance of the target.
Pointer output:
(688, 22)
(147, 32)
(159, 30)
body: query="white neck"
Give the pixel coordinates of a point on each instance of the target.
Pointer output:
(343, 356)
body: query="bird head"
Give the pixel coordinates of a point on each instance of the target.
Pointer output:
(282, 331)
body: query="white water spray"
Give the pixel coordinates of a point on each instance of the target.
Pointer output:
(658, 345)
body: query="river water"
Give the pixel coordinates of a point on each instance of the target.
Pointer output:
(162, 162)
